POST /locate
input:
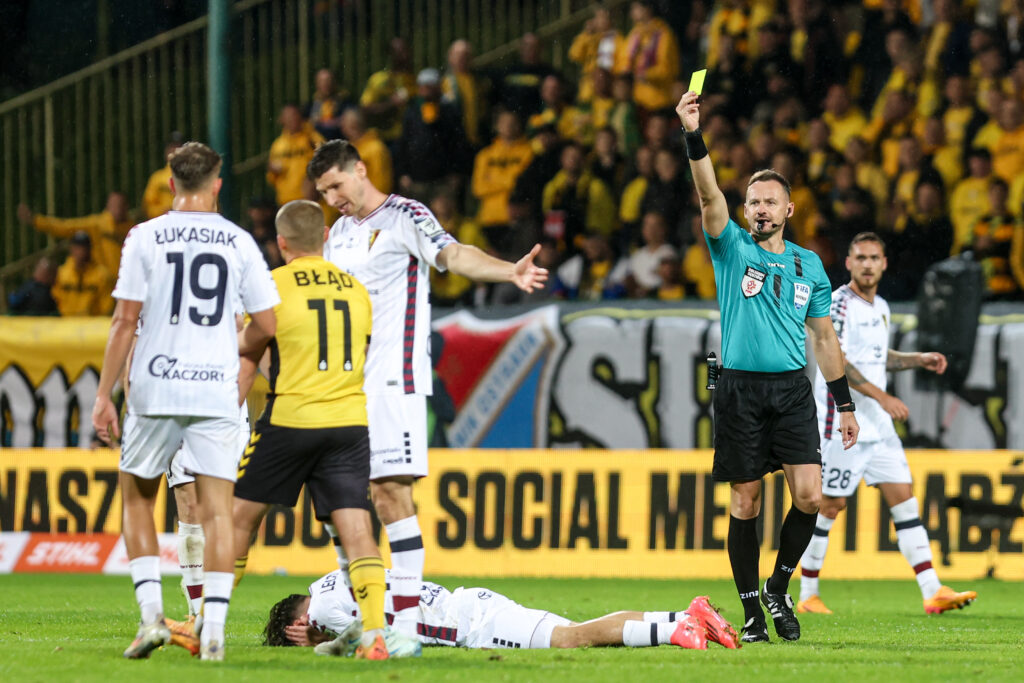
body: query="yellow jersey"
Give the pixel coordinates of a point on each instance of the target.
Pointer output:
(319, 351)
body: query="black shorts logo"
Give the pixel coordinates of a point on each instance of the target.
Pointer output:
(752, 282)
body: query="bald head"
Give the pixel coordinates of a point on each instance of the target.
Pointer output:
(301, 224)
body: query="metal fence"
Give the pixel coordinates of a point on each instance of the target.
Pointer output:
(66, 145)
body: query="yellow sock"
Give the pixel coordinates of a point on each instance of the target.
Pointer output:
(367, 576)
(240, 568)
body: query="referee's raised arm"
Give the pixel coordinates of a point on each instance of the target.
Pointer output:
(714, 211)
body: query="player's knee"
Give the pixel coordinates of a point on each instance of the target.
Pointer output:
(392, 498)
(566, 637)
(808, 501)
(744, 506)
(831, 507)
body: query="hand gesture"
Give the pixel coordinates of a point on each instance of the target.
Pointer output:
(298, 634)
(105, 420)
(689, 111)
(933, 361)
(896, 408)
(849, 428)
(527, 276)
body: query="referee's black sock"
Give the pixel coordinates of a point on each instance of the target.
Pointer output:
(793, 539)
(744, 556)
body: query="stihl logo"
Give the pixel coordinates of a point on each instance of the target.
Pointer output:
(66, 553)
(62, 554)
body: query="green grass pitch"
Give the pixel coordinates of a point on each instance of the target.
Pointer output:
(58, 628)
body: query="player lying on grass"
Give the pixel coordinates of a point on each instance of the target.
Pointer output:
(479, 618)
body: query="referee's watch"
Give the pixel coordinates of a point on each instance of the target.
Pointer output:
(848, 408)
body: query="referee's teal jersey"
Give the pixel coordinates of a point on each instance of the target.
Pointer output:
(764, 299)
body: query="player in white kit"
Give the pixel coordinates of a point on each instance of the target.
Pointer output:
(389, 243)
(479, 618)
(182, 272)
(861, 319)
(191, 542)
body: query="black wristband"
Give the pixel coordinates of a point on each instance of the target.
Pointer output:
(695, 147)
(840, 390)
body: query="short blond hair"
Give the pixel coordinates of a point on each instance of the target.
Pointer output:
(301, 224)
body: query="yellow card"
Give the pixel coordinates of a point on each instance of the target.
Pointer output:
(697, 80)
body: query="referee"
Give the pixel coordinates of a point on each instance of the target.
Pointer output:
(765, 420)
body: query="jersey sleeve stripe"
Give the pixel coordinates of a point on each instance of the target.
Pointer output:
(412, 280)
(830, 415)
(449, 635)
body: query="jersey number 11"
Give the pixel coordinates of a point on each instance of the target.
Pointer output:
(320, 306)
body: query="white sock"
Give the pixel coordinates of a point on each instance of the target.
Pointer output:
(145, 573)
(342, 558)
(191, 543)
(647, 634)
(217, 592)
(912, 538)
(659, 617)
(406, 576)
(814, 557)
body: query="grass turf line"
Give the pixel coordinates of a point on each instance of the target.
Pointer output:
(56, 627)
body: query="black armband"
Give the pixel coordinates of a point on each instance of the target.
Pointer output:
(695, 147)
(840, 390)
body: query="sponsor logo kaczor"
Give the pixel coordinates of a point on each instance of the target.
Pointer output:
(165, 367)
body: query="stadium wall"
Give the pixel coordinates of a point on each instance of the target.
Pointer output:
(573, 513)
(553, 377)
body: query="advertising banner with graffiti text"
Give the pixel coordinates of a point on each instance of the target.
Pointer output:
(573, 513)
(635, 378)
(556, 377)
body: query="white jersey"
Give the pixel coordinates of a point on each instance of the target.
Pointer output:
(191, 270)
(863, 331)
(446, 617)
(391, 252)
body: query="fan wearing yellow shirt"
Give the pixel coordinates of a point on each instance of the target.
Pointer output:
(313, 431)
(387, 92)
(969, 200)
(106, 229)
(371, 148)
(290, 153)
(157, 198)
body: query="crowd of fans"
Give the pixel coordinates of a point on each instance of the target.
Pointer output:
(899, 116)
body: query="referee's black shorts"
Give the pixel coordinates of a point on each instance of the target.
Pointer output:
(334, 462)
(763, 420)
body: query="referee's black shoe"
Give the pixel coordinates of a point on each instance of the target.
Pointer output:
(780, 606)
(755, 631)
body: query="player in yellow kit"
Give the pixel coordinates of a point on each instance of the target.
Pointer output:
(313, 430)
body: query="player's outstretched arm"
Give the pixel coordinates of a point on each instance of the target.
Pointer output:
(714, 211)
(468, 261)
(832, 363)
(119, 343)
(931, 360)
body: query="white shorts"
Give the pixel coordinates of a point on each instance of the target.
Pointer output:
(207, 445)
(500, 622)
(877, 462)
(398, 435)
(176, 474)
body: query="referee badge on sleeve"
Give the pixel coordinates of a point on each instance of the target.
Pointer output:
(752, 282)
(801, 293)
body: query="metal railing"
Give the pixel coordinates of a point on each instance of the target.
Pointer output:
(65, 146)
